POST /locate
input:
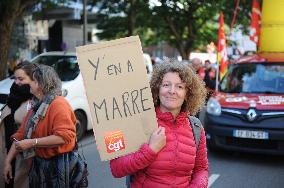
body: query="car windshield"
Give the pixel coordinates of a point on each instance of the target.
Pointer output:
(254, 78)
(66, 66)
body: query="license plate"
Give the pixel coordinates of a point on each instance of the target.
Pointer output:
(250, 134)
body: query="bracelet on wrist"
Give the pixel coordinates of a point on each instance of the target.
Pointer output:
(36, 142)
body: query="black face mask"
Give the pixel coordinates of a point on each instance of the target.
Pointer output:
(18, 94)
(23, 89)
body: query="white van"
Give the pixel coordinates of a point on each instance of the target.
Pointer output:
(148, 63)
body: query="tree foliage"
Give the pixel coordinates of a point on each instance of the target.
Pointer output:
(191, 25)
(120, 18)
(184, 24)
(10, 12)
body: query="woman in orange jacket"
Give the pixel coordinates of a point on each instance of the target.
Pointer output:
(47, 135)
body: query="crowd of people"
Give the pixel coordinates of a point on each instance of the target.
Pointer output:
(207, 73)
(45, 137)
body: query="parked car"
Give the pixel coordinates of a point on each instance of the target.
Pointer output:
(66, 65)
(148, 63)
(247, 113)
(73, 89)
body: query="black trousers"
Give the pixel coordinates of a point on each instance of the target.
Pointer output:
(10, 129)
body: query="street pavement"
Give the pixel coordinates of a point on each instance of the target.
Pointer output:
(226, 169)
(99, 171)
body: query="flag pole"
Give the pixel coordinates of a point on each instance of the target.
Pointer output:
(217, 76)
(234, 17)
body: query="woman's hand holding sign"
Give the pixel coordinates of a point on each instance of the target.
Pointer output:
(158, 139)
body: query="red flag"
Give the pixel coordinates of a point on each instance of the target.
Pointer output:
(255, 22)
(222, 47)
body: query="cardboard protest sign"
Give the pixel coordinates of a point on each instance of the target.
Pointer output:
(119, 95)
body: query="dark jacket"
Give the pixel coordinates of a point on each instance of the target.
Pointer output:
(18, 95)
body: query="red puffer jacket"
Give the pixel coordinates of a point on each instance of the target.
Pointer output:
(176, 165)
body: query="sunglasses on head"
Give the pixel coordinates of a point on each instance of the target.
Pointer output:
(37, 69)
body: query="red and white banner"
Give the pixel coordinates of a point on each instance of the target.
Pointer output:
(222, 47)
(255, 22)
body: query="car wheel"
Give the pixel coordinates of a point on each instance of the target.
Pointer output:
(81, 124)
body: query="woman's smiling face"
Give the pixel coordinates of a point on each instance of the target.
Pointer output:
(172, 93)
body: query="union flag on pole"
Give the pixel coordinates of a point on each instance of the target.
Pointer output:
(222, 48)
(255, 22)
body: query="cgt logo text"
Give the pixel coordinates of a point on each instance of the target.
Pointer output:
(114, 141)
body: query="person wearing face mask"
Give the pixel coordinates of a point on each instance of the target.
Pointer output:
(47, 136)
(17, 102)
(170, 158)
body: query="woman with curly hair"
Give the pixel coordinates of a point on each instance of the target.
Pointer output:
(170, 158)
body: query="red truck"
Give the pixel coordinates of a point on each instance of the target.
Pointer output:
(247, 111)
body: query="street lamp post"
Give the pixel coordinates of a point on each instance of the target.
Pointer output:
(85, 22)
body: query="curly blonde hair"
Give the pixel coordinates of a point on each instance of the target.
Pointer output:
(195, 87)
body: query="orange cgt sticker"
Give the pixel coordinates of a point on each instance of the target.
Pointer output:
(114, 141)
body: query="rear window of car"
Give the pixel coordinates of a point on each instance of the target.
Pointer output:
(66, 66)
(254, 78)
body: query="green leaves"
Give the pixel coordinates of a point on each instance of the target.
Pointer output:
(184, 24)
